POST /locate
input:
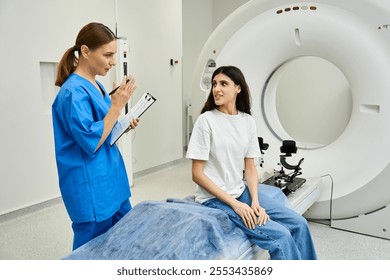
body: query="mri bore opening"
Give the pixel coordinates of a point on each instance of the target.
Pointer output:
(313, 101)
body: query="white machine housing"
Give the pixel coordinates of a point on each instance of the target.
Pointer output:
(260, 37)
(125, 142)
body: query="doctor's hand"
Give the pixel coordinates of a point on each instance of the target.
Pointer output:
(246, 213)
(125, 90)
(262, 216)
(133, 124)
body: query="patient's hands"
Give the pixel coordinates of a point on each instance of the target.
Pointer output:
(246, 213)
(253, 215)
(262, 216)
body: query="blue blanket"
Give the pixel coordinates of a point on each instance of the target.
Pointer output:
(164, 230)
(172, 230)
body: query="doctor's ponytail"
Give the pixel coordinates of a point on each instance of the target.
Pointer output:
(66, 66)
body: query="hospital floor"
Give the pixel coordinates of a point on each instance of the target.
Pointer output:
(43, 232)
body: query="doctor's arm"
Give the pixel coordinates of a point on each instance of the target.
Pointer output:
(118, 102)
(243, 210)
(252, 181)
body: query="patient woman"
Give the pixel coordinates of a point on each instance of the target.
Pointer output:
(223, 144)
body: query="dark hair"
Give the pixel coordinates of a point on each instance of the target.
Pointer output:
(93, 35)
(243, 101)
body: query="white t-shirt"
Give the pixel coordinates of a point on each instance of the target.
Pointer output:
(223, 141)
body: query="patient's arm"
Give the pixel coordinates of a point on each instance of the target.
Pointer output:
(252, 182)
(243, 210)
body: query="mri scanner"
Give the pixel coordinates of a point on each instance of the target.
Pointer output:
(267, 39)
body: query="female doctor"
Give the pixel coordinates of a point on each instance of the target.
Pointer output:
(92, 175)
(224, 143)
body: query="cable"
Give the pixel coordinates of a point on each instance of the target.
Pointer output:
(331, 195)
(331, 198)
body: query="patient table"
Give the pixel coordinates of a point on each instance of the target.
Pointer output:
(181, 229)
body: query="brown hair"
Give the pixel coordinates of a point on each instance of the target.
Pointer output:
(243, 101)
(93, 35)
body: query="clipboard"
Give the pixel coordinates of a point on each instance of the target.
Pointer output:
(135, 112)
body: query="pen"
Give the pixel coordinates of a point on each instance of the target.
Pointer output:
(115, 89)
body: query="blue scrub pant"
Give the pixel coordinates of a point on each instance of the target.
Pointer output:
(286, 236)
(83, 232)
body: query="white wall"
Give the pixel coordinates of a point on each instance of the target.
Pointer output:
(154, 31)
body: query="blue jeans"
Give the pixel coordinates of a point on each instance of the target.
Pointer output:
(84, 232)
(286, 236)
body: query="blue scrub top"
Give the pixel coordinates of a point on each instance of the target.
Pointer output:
(93, 184)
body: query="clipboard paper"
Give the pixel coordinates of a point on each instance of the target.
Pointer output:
(135, 112)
